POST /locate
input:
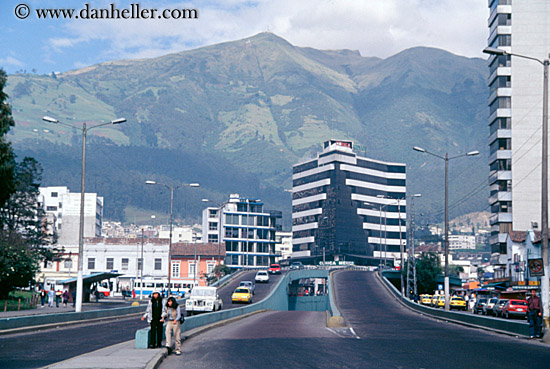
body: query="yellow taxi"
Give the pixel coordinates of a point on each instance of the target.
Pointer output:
(440, 301)
(242, 294)
(425, 299)
(457, 302)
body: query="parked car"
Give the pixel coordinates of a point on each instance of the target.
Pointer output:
(274, 269)
(458, 302)
(203, 299)
(242, 294)
(488, 308)
(426, 299)
(248, 284)
(480, 303)
(514, 308)
(433, 301)
(262, 277)
(497, 307)
(296, 265)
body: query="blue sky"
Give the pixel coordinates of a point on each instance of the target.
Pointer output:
(374, 27)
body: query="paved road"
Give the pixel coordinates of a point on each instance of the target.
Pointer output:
(390, 336)
(262, 289)
(39, 348)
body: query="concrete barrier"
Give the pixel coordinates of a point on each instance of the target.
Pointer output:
(61, 318)
(513, 327)
(277, 299)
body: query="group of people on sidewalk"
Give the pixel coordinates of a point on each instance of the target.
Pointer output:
(158, 312)
(54, 297)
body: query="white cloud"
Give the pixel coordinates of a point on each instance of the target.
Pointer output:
(374, 27)
(10, 60)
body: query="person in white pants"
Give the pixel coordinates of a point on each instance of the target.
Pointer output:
(173, 318)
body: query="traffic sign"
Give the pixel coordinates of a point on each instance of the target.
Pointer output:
(536, 268)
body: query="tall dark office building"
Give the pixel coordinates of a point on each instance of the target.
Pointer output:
(347, 204)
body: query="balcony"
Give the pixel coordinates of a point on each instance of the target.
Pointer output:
(500, 196)
(500, 154)
(500, 218)
(500, 175)
(500, 92)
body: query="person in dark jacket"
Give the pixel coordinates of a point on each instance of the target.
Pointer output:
(154, 317)
(534, 313)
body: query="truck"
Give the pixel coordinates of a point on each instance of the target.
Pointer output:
(202, 300)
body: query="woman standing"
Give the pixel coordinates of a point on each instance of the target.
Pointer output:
(65, 298)
(172, 315)
(154, 317)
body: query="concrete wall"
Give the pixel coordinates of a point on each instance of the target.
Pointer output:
(278, 299)
(478, 321)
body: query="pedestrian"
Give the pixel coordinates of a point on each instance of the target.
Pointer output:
(96, 294)
(65, 298)
(534, 314)
(154, 317)
(58, 297)
(173, 317)
(73, 295)
(42, 297)
(51, 297)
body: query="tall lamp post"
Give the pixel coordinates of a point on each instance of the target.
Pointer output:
(84, 129)
(446, 158)
(545, 283)
(171, 188)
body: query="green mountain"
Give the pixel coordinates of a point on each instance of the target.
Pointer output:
(236, 116)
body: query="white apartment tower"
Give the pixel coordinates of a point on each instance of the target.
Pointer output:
(58, 202)
(515, 120)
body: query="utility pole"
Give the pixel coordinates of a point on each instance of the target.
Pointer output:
(411, 264)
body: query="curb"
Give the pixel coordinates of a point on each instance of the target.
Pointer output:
(157, 359)
(449, 320)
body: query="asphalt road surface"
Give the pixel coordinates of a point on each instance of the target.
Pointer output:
(262, 289)
(39, 348)
(386, 335)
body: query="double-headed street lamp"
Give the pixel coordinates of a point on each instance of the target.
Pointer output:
(545, 283)
(446, 158)
(84, 129)
(172, 188)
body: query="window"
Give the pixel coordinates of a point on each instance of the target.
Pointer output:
(91, 263)
(140, 264)
(124, 265)
(212, 213)
(51, 208)
(213, 238)
(210, 267)
(212, 226)
(232, 232)
(191, 269)
(175, 269)
(60, 205)
(110, 264)
(231, 219)
(59, 226)
(54, 194)
(158, 264)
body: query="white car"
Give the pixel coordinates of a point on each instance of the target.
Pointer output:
(203, 299)
(262, 277)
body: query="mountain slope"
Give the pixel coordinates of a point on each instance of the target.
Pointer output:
(260, 105)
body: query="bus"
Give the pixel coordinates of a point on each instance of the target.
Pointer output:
(151, 284)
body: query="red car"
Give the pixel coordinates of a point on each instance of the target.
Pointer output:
(515, 308)
(274, 269)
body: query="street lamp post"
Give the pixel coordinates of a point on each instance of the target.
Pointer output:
(446, 158)
(171, 188)
(545, 283)
(84, 129)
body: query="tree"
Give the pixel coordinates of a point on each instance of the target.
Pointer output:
(428, 268)
(7, 157)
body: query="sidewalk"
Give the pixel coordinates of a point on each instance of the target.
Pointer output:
(121, 356)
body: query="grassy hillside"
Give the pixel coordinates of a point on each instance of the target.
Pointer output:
(250, 109)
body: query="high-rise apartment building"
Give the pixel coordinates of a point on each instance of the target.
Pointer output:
(246, 230)
(63, 207)
(346, 204)
(515, 120)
